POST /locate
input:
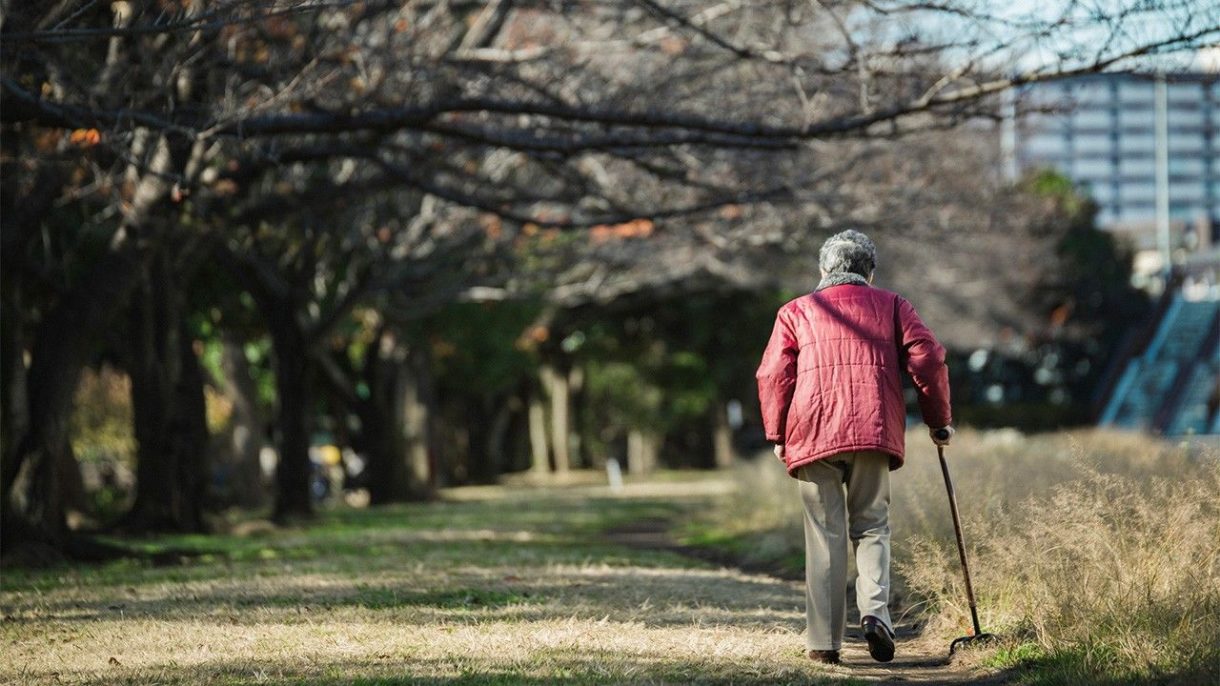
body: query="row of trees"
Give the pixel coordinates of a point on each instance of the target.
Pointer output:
(328, 175)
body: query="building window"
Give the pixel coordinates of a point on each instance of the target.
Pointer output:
(1185, 119)
(1102, 193)
(1138, 120)
(1138, 92)
(1092, 119)
(1092, 144)
(1137, 167)
(1138, 192)
(1044, 146)
(1186, 191)
(1185, 142)
(1184, 92)
(1093, 168)
(1185, 166)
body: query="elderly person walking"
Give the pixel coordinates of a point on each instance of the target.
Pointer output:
(831, 394)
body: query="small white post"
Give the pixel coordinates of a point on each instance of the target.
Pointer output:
(614, 474)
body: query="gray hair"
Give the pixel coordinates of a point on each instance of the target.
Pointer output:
(848, 252)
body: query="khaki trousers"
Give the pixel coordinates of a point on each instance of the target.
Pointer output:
(846, 495)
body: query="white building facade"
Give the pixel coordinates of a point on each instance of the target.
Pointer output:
(1146, 147)
(1102, 131)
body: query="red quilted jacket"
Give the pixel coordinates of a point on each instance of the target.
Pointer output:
(829, 379)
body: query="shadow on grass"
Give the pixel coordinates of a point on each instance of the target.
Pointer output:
(660, 597)
(372, 537)
(545, 666)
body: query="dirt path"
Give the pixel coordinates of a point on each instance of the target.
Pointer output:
(920, 660)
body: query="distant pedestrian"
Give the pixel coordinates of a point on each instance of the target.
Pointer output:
(831, 394)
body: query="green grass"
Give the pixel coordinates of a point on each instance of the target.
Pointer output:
(560, 530)
(1032, 665)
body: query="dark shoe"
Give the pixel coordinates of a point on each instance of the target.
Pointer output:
(826, 657)
(880, 639)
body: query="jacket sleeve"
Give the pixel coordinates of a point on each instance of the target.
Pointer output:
(923, 359)
(777, 378)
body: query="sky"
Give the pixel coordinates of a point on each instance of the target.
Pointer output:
(1027, 35)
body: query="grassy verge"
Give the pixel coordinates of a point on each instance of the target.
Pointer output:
(492, 586)
(1095, 555)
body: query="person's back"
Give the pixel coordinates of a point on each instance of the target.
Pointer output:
(830, 390)
(830, 381)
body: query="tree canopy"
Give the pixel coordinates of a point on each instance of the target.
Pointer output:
(328, 174)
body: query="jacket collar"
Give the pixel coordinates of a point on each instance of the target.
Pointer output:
(840, 278)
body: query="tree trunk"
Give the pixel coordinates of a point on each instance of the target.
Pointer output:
(153, 367)
(190, 437)
(168, 408)
(556, 383)
(245, 440)
(32, 488)
(24, 210)
(293, 498)
(14, 411)
(394, 423)
(497, 438)
(641, 451)
(722, 436)
(481, 466)
(388, 476)
(381, 422)
(417, 403)
(539, 457)
(576, 405)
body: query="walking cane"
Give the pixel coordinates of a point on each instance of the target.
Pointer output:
(943, 434)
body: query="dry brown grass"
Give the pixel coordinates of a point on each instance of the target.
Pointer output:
(1113, 571)
(1096, 554)
(601, 623)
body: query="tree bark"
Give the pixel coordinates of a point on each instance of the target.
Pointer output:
(14, 409)
(576, 405)
(153, 367)
(32, 487)
(641, 451)
(395, 425)
(481, 464)
(539, 457)
(386, 454)
(32, 482)
(722, 436)
(556, 382)
(380, 422)
(293, 498)
(190, 437)
(168, 408)
(245, 429)
(418, 400)
(497, 440)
